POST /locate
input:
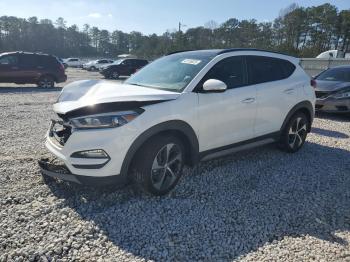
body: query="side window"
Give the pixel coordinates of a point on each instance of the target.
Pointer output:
(47, 61)
(230, 70)
(73, 60)
(127, 62)
(287, 67)
(8, 60)
(29, 61)
(266, 69)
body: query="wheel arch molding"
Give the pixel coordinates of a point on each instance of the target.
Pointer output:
(178, 128)
(304, 106)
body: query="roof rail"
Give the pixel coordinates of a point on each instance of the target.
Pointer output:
(249, 49)
(180, 51)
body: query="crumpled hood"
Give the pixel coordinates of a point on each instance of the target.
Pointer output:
(87, 93)
(329, 86)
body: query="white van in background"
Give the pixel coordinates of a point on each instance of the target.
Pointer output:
(330, 54)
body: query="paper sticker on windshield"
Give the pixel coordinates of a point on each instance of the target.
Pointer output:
(191, 61)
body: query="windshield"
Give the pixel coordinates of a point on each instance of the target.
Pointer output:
(335, 74)
(172, 72)
(117, 62)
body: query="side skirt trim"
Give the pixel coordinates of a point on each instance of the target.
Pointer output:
(244, 145)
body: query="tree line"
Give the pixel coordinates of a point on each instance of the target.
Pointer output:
(298, 31)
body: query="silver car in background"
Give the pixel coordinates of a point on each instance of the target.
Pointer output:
(332, 88)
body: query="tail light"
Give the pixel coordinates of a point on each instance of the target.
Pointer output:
(313, 83)
(62, 67)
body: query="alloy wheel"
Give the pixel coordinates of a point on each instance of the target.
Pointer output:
(166, 167)
(115, 75)
(297, 133)
(46, 83)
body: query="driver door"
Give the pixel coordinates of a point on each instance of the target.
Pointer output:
(226, 118)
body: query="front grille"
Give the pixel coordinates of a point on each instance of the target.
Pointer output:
(322, 94)
(60, 132)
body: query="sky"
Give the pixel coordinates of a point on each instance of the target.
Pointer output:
(152, 16)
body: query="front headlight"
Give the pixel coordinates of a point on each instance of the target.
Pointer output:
(342, 94)
(110, 120)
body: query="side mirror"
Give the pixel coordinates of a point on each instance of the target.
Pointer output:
(214, 85)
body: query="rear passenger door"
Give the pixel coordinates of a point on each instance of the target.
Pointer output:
(276, 92)
(226, 118)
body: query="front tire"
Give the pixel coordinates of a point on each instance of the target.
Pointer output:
(294, 134)
(46, 82)
(158, 165)
(115, 75)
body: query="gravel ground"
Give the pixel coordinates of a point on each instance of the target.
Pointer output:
(259, 205)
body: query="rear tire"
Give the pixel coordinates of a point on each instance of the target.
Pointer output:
(46, 82)
(158, 165)
(295, 132)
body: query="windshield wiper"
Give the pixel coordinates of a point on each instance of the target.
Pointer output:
(150, 86)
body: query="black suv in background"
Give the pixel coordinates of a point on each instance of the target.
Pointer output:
(31, 68)
(123, 67)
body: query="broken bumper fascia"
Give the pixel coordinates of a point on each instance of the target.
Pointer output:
(51, 168)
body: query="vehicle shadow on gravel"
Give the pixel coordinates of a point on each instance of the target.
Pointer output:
(329, 133)
(227, 208)
(336, 117)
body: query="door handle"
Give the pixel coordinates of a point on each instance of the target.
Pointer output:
(15, 67)
(289, 91)
(248, 100)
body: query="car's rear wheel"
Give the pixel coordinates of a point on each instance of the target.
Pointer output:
(159, 164)
(46, 82)
(294, 134)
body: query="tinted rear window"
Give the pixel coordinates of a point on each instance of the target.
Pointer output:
(266, 69)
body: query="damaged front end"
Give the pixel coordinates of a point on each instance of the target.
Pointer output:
(59, 132)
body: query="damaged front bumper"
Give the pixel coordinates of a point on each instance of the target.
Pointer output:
(54, 168)
(51, 168)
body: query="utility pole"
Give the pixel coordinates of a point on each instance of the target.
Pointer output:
(181, 25)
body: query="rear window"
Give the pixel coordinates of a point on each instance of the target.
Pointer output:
(266, 69)
(48, 61)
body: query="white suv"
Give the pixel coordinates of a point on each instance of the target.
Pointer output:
(178, 110)
(73, 62)
(97, 64)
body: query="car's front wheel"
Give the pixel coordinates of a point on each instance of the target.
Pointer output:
(158, 166)
(46, 82)
(115, 75)
(294, 134)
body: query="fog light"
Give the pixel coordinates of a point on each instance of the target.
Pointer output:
(95, 154)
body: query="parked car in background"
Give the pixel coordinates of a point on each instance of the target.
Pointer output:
(123, 67)
(31, 68)
(73, 62)
(333, 54)
(176, 111)
(97, 64)
(332, 88)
